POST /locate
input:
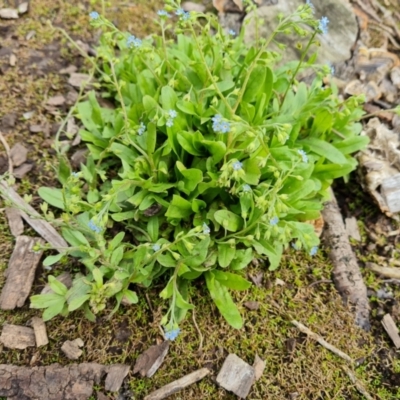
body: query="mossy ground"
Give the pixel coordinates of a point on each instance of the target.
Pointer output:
(294, 363)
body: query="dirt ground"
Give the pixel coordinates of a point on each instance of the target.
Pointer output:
(33, 54)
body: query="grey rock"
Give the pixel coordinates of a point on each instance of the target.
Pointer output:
(335, 46)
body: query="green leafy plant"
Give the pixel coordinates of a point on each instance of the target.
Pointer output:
(213, 155)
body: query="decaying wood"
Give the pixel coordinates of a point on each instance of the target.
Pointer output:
(14, 221)
(20, 273)
(34, 219)
(352, 229)
(391, 329)
(178, 385)
(71, 348)
(346, 272)
(17, 337)
(259, 366)
(39, 329)
(236, 376)
(388, 272)
(359, 386)
(390, 190)
(321, 341)
(148, 362)
(115, 377)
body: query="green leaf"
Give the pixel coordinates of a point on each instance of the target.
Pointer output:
(217, 149)
(352, 145)
(182, 303)
(52, 196)
(179, 208)
(223, 301)
(64, 169)
(45, 300)
(231, 281)
(54, 310)
(98, 276)
(166, 260)
(255, 84)
(56, 286)
(131, 296)
(74, 238)
(242, 259)
(324, 149)
(116, 256)
(168, 98)
(50, 260)
(226, 253)
(77, 302)
(229, 220)
(123, 216)
(151, 137)
(152, 228)
(252, 171)
(116, 240)
(189, 142)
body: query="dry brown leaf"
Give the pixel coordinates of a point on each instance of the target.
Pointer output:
(219, 5)
(239, 4)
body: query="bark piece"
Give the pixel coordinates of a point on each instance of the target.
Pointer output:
(23, 7)
(390, 190)
(102, 396)
(191, 6)
(18, 154)
(236, 376)
(71, 348)
(22, 170)
(252, 305)
(388, 272)
(78, 79)
(20, 273)
(391, 329)
(178, 385)
(148, 362)
(352, 229)
(64, 278)
(115, 377)
(34, 219)
(39, 329)
(259, 366)
(17, 337)
(346, 272)
(56, 101)
(14, 221)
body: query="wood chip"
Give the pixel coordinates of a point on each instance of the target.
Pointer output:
(23, 7)
(391, 329)
(56, 101)
(8, 13)
(191, 6)
(14, 221)
(39, 329)
(252, 305)
(13, 60)
(236, 376)
(148, 362)
(34, 219)
(388, 272)
(390, 190)
(77, 80)
(257, 279)
(352, 228)
(178, 385)
(115, 377)
(22, 170)
(64, 278)
(18, 154)
(259, 367)
(20, 272)
(71, 348)
(17, 337)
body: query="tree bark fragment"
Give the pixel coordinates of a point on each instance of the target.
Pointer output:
(39, 328)
(14, 221)
(346, 272)
(391, 329)
(17, 337)
(115, 377)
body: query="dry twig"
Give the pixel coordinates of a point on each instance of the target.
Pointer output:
(7, 149)
(359, 386)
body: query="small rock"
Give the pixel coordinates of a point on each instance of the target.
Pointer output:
(28, 115)
(252, 305)
(279, 282)
(8, 122)
(18, 154)
(15, 221)
(115, 377)
(259, 366)
(22, 170)
(384, 294)
(78, 79)
(148, 362)
(102, 396)
(8, 13)
(71, 98)
(236, 376)
(40, 128)
(257, 279)
(17, 337)
(71, 348)
(352, 228)
(23, 8)
(13, 60)
(56, 101)
(191, 6)
(69, 70)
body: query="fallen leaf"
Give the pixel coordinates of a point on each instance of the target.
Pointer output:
(239, 4)
(219, 5)
(259, 366)
(148, 362)
(252, 305)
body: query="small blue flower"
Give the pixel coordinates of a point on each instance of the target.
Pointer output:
(314, 251)
(232, 32)
(172, 113)
(75, 174)
(170, 122)
(94, 15)
(331, 69)
(237, 165)
(142, 129)
(303, 155)
(323, 25)
(92, 226)
(295, 246)
(183, 14)
(133, 41)
(273, 221)
(246, 188)
(206, 229)
(156, 247)
(220, 126)
(172, 334)
(308, 2)
(163, 13)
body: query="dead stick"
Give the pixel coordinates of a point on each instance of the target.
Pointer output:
(178, 385)
(8, 152)
(359, 386)
(321, 341)
(388, 272)
(346, 272)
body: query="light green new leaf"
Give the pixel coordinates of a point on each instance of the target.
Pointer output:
(50, 260)
(54, 310)
(131, 296)
(242, 259)
(231, 281)
(228, 220)
(324, 149)
(152, 228)
(179, 208)
(56, 286)
(226, 253)
(52, 196)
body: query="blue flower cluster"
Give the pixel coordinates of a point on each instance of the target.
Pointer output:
(314, 251)
(156, 247)
(94, 15)
(180, 12)
(303, 155)
(273, 221)
(172, 115)
(308, 2)
(172, 334)
(219, 125)
(163, 13)
(206, 229)
(232, 32)
(92, 226)
(323, 25)
(237, 165)
(133, 41)
(142, 129)
(246, 188)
